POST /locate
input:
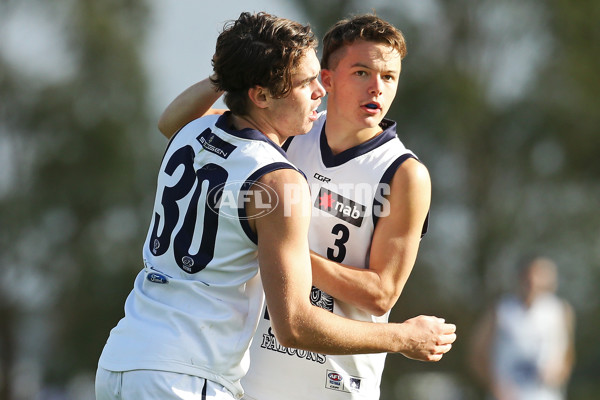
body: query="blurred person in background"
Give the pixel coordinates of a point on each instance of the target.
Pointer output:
(523, 347)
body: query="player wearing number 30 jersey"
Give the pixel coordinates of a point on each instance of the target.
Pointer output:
(211, 317)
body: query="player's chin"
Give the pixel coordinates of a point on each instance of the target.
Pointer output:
(307, 126)
(372, 122)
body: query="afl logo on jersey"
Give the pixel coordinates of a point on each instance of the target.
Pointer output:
(229, 199)
(335, 377)
(334, 381)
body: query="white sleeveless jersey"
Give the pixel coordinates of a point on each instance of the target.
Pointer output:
(348, 196)
(196, 303)
(526, 340)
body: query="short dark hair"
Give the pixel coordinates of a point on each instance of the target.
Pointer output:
(258, 49)
(367, 27)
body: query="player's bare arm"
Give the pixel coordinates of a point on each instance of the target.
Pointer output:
(393, 249)
(190, 104)
(286, 275)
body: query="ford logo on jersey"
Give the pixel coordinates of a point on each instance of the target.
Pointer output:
(157, 278)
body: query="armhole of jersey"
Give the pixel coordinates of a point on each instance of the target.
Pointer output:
(385, 180)
(243, 218)
(169, 144)
(172, 138)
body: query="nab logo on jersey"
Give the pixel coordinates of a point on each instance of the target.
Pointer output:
(340, 207)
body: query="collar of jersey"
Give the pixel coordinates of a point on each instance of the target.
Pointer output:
(246, 133)
(331, 160)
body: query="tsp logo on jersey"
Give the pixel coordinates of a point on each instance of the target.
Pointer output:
(340, 207)
(215, 144)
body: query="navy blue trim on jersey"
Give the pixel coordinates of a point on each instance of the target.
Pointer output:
(287, 143)
(259, 173)
(331, 160)
(177, 133)
(246, 133)
(386, 179)
(169, 144)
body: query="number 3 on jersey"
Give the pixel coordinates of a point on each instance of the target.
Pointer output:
(340, 241)
(190, 182)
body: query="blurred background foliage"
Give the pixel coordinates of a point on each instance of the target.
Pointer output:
(499, 98)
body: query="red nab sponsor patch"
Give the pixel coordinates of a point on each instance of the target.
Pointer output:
(340, 207)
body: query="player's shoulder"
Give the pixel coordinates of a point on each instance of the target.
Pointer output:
(203, 122)
(280, 178)
(412, 171)
(193, 128)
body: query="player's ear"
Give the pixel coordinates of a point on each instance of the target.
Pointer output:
(259, 96)
(326, 79)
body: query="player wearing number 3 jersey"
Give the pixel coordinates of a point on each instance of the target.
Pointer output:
(349, 195)
(370, 201)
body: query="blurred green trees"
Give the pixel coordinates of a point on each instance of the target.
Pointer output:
(77, 175)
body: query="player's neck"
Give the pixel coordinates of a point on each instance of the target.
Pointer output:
(341, 136)
(248, 122)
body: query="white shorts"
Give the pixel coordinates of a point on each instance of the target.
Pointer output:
(156, 385)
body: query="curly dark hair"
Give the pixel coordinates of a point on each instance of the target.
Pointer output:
(367, 27)
(258, 49)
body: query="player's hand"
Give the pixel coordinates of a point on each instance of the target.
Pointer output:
(428, 338)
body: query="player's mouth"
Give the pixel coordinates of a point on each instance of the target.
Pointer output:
(314, 114)
(371, 107)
